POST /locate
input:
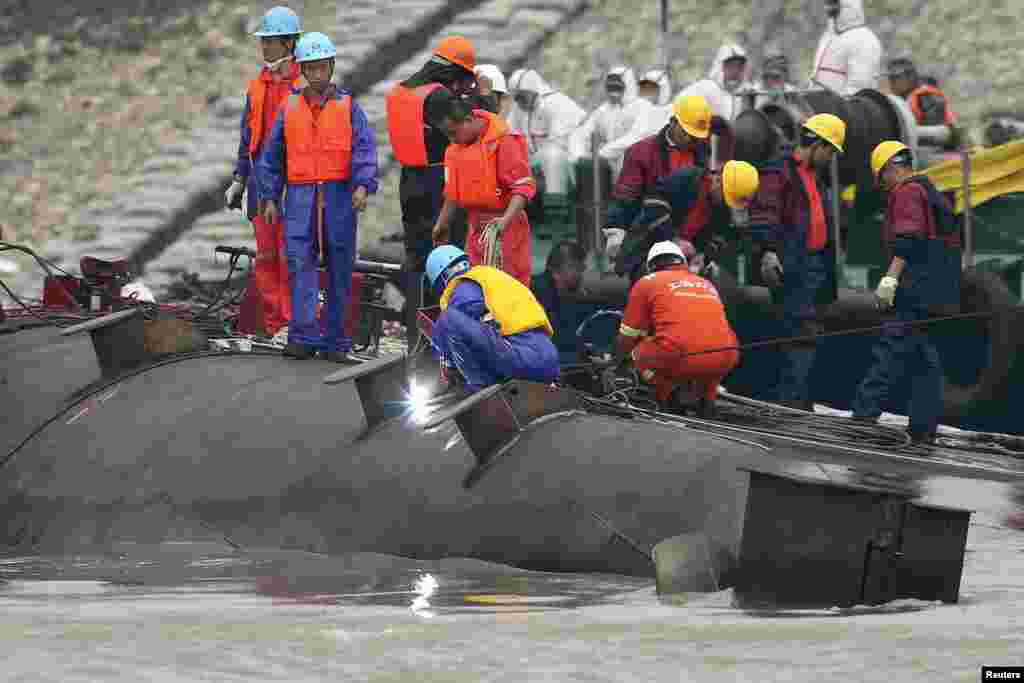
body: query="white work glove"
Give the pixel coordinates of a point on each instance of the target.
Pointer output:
(613, 238)
(886, 291)
(233, 195)
(771, 269)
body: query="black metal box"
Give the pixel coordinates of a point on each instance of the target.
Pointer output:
(813, 543)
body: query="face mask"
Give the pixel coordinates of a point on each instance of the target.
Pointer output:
(272, 66)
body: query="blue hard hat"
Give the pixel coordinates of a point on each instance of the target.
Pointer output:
(441, 259)
(313, 47)
(279, 21)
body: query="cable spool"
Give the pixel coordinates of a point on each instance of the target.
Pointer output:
(774, 129)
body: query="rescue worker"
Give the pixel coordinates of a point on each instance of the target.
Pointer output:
(691, 204)
(488, 174)
(610, 121)
(492, 93)
(682, 142)
(548, 118)
(774, 79)
(561, 280)
(729, 74)
(278, 32)
(491, 327)
(420, 149)
(672, 313)
(324, 148)
(928, 103)
(849, 54)
(656, 88)
(790, 228)
(922, 240)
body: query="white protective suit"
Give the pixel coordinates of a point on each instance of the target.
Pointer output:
(647, 122)
(712, 88)
(548, 127)
(722, 102)
(610, 121)
(849, 56)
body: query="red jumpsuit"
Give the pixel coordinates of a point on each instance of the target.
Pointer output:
(509, 164)
(676, 312)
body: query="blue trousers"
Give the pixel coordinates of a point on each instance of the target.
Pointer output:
(300, 236)
(485, 357)
(904, 353)
(797, 295)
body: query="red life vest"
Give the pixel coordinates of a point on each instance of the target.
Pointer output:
(472, 170)
(817, 229)
(258, 105)
(406, 122)
(914, 99)
(318, 151)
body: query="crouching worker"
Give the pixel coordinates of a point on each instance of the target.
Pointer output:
(487, 171)
(922, 239)
(491, 327)
(322, 144)
(672, 313)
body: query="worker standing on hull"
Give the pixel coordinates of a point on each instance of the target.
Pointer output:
(488, 174)
(671, 314)
(323, 146)
(420, 148)
(922, 239)
(491, 327)
(790, 228)
(278, 32)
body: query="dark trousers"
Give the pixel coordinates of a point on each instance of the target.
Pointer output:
(421, 194)
(798, 298)
(904, 353)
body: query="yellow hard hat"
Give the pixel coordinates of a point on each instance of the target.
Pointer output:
(739, 181)
(883, 153)
(693, 114)
(828, 127)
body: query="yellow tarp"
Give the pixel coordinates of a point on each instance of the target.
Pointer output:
(994, 172)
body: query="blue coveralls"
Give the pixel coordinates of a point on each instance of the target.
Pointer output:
(809, 279)
(931, 280)
(479, 351)
(339, 232)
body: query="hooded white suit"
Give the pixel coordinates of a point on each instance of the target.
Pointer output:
(548, 127)
(722, 102)
(849, 56)
(712, 88)
(611, 120)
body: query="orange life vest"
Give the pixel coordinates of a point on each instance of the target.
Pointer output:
(405, 122)
(257, 92)
(472, 170)
(914, 100)
(318, 151)
(817, 230)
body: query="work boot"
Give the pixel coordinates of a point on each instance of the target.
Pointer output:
(340, 357)
(682, 401)
(298, 351)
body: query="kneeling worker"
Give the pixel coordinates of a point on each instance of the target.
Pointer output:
(487, 171)
(922, 239)
(672, 313)
(491, 326)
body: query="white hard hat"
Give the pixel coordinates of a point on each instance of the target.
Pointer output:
(494, 75)
(662, 248)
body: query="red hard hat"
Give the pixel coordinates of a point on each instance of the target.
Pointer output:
(458, 50)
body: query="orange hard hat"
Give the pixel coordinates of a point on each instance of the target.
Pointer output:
(458, 50)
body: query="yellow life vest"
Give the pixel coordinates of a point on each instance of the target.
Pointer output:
(512, 304)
